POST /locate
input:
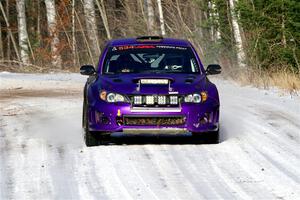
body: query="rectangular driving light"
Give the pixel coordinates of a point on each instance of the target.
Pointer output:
(150, 100)
(137, 100)
(161, 100)
(173, 100)
(155, 81)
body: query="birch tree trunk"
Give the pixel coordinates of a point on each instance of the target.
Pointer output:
(150, 15)
(142, 8)
(161, 18)
(1, 45)
(9, 33)
(52, 28)
(90, 19)
(22, 32)
(73, 33)
(8, 50)
(237, 35)
(215, 33)
(39, 23)
(102, 10)
(283, 38)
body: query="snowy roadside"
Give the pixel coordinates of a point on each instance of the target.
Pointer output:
(40, 81)
(42, 155)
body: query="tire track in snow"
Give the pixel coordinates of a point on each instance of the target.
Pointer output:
(231, 168)
(260, 167)
(265, 137)
(142, 161)
(7, 171)
(176, 177)
(206, 170)
(62, 172)
(196, 175)
(129, 176)
(112, 185)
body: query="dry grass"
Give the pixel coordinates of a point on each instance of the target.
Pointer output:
(283, 79)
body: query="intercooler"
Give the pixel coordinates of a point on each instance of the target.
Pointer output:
(153, 120)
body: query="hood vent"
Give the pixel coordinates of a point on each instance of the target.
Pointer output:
(189, 80)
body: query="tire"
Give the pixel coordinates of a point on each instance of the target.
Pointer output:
(213, 137)
(89, 137)
(104, 139)
(92, 138)
(209, 137)
(83, 124)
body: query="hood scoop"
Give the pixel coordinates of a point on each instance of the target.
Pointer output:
(153, 85)
(153, 81)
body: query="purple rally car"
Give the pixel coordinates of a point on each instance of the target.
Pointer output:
(151, 85)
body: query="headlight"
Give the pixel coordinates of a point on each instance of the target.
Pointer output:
(188, 98)
(112, 97)
(196, 98)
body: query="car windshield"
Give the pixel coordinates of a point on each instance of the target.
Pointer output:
(150, 59)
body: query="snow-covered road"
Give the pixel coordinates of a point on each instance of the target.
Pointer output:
(42, 155)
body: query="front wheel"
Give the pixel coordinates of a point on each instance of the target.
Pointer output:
(89, 137)
(92, 138)
(211, 137)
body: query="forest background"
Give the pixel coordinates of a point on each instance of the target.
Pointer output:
(255, 41)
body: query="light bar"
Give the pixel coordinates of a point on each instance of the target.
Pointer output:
(155, 81)
(161, 100)
(137, 100)
(173, 100)
(150, 100)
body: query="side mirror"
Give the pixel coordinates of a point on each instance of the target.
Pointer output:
(87, 70)
(213, 69)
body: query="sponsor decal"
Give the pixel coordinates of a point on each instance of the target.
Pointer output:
(120, 48)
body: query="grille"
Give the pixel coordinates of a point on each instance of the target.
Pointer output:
(153, 121)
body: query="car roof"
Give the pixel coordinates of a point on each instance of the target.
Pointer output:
(160, 41)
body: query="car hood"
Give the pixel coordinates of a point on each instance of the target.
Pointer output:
(129, 83)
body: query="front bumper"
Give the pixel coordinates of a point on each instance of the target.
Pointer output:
(109, 117)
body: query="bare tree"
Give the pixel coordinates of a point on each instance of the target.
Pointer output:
(52, 28)
(1, 45)
(90, 19)
(161, 18)
(102, 10)
(150, 15)
(9, 32)
(237, 35)
(8, 50)
(22, 31)
(73, 33)
(215, 33)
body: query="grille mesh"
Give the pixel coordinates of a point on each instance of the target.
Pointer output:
(154, 121)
